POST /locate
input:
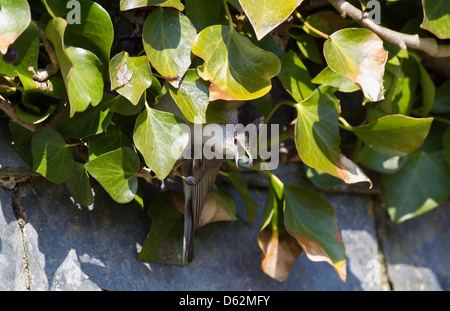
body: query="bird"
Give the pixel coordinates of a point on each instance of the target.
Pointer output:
(200, 173)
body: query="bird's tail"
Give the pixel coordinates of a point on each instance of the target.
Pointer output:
(188, 240)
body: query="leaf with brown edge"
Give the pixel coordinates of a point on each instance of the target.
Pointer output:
(279, 253)
(317, 137)
(234, 76)
(311, 220)
(219, 206)
(279, 249)
(358, 55)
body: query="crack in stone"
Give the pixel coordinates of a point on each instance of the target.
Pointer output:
(380, 217)
(21, 220)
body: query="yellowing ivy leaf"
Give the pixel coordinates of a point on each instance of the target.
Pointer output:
(358, 55)
(234, 75)
(265, 15)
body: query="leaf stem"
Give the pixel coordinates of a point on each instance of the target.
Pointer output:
(74, 145)
(49, 10)
(315, 30)
(283, 102)
(13, 83)
(345, 125)
(227, 10)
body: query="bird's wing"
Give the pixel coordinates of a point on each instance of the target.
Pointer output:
(204, 172)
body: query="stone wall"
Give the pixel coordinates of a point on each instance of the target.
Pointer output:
(47, 242)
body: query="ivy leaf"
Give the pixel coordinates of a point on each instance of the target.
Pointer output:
(93, 31)
(317, 138)
(192, 97)
(265, 15)
(446, 143)
(27, 46)
(279, 249)
(381, 163)
(204, 13)
(79, 186)
(92, 121)
(15, 16)
(428, 88)
(160, 138)
(294, 77)
(436, 18)
(421, 185)
(238, 181)
(51, 157)
(80, 69)
(167, 36)
(130, 76)
(117, 172)
(133, 4)
(219, 206)
(232, 76)
(358, 55)
(164, 242)
(311, 220)
(394, 135)
(331, 78)
(111, 139)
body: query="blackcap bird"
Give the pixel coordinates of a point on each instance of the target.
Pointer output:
(200, 173)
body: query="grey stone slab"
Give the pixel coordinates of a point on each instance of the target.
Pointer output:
(417, 251)
(75, 248)
(12, 265)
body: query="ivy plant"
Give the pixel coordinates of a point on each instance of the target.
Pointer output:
(100, 91)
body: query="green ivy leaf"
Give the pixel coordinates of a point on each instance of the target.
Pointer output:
(436, 18)
(117, 172)
(311, 220)
(394, 135)
(442, 95)
(164, 242)
(160, 138)
(27, 45)
(15, 16)
(51, 157)
(79, 186)
(358, 55)
(130, 76)
(93, 31)
(446, 143)
(428, 88)
(192, 97)
(205, 13)
(21, 140)
(294, 77)
(308, 46)
(167, 37)
(92, 121)
(421, 185)
(317, 137)
(331, 78)
(232, 76)
(381, 163)
(133, 4)
(80, 69)
(265, 15)
(238, 181)
(111, 139)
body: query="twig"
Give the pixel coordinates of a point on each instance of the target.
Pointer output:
(427, 45)
(53, 66)
(7, 107)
